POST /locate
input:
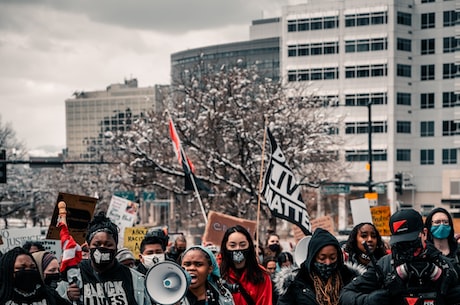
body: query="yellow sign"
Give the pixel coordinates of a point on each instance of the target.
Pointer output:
(381, 219)
(132, 239)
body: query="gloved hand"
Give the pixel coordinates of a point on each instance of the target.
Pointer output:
(378, 297)
(394, 284)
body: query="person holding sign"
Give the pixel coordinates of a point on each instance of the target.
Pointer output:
(102, 273)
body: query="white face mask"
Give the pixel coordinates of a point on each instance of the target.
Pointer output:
(152, 259)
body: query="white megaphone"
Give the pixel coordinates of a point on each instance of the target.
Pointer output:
(301, 250)
(167, 283)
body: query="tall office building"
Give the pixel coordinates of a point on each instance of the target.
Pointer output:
(390, 64)
(398, 56)
(91, 114)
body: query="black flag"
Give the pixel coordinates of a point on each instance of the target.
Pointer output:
(282, 192)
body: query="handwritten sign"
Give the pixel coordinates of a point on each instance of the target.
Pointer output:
(381, 219)
(133, 237)
(123, 213)
(18, 237)
(218, 223)
(324, 222)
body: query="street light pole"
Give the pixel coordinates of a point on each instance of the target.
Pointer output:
(369, 141)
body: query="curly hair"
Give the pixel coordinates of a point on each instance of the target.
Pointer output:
(255, 273)
(351, 245)
(101, 223)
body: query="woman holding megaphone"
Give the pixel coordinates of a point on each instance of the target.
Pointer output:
(206, 286)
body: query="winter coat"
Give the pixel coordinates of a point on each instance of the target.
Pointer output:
(260, 293)
(295, 285)
(369, 288)
(225, 296)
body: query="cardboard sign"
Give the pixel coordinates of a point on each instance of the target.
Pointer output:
(132, 239)
(123, 213)
(218, 223)
(381, 219)
(324, 222)
(18, 237)
(80, 211)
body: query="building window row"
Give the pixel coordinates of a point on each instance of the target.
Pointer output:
(366, 45)
(321, 48)
(451, 128)
(366, 71)
(362, 127)
(365, 19)
(313, 74)
(363, 155)
(363, 99)
(312, 24)
(449, 156)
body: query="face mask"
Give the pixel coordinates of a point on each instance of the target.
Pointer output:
(51, 279)
(324, 270)
(102, 257)
(441, 231)
(151, 259)
(239, 255)
(27, 282)
(274, 247)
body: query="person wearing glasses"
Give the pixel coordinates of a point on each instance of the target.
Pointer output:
(440, 232)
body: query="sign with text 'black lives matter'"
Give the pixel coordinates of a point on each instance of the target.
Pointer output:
(80, 211)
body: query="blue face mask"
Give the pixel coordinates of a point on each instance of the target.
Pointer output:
(440, 231)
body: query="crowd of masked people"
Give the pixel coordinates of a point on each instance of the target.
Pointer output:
(420, 265)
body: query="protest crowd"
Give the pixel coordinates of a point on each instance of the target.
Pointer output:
(418, 264)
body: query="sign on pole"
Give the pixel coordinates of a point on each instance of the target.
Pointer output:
(218, 223)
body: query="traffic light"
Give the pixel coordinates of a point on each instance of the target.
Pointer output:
(2, 166)
(398, 183)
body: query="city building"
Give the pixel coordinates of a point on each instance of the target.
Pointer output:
(91, 114)
(388, 64)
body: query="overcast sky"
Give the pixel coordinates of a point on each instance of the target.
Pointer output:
(52, 48)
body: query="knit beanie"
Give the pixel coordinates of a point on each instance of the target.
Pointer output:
(43, 259)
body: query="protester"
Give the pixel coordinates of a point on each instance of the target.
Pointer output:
(206, 286)
(180, 244)
(152, 250)
(354, 249)
(21, 282)
(272, 245)
(105, 280)
(320, 277)
(126, 257)
(440, 232)
(48, 266)
(285, 259)
(33, 246)
(412, 274)
(270, 264)
(239, 266)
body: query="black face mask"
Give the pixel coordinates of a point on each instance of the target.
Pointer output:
(404, 252)
(274, 247)
(51, 279)
(27, 282)
(324, 270)
(102, 257)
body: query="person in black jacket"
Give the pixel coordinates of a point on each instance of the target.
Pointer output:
(414, 273)
(321, 276)
(21, 282)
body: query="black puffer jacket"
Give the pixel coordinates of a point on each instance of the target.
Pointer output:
(295, 286)
(369, 288)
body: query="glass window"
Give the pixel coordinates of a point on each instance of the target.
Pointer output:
(403, 70)
(363, 45)
(428, 46)
(426, 156)
(378, 44)
(449, 156)
(292, 51)
(403, 155)
(403, 127)
(427, 72)
(316, 24)
(427, 100)
(350, 20)
(450, 18)
(350, 72)
(404, 18)
(450, 99)
(292, 25)
(427, 129)
(428, 21)
(403, 44)
(403, 98)
(450, 128)
(350, 46)
(450, 44)
(363, 19)
(450, 71)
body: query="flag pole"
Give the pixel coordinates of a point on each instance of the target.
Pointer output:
(260, 184)
(192, 178)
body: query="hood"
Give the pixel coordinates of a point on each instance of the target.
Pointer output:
(284, 278)
(319, 240)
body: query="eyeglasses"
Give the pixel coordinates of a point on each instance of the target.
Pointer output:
(439, 221)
